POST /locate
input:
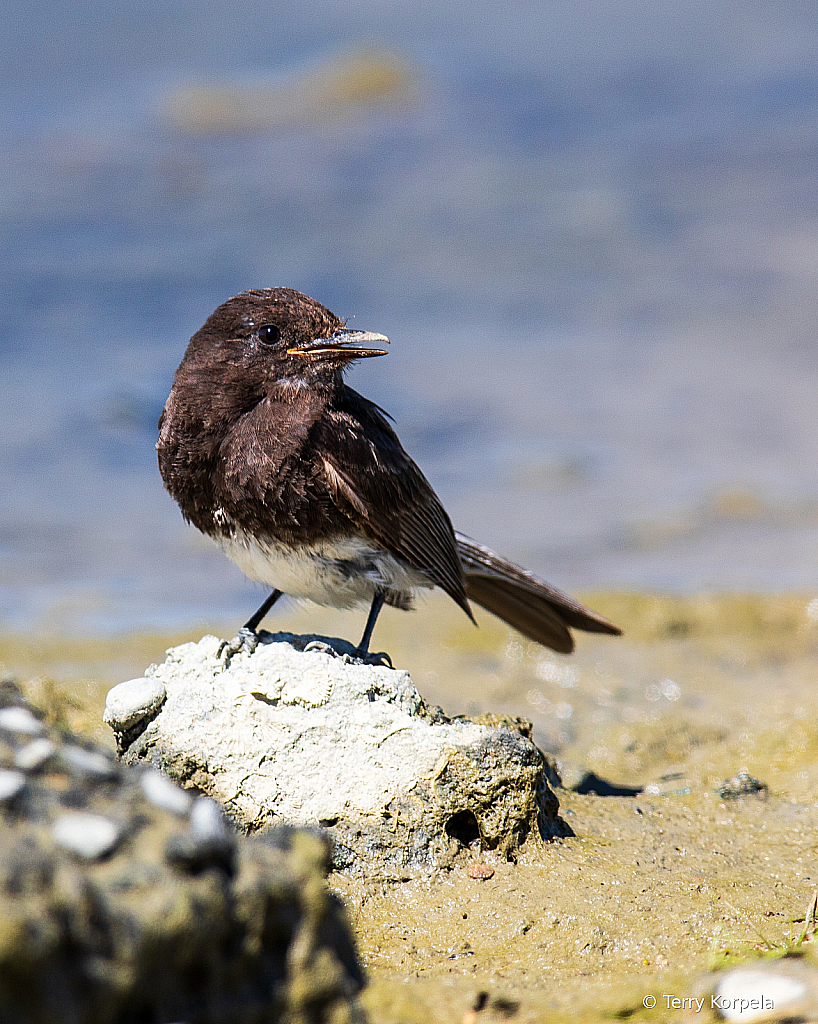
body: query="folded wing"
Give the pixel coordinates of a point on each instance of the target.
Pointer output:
(384, 494)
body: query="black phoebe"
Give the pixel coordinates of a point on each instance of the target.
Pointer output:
(305, 485)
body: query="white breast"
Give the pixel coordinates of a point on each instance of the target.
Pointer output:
(341, 573)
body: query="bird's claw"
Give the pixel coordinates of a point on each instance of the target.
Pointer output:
(371, 658)
(322, 648)
(244, 642)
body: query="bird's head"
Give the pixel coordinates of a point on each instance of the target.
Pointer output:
(277, 338)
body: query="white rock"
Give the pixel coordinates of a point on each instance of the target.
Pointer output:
(207, 820)
(17, 719)
(750, 993)
(89, 762)
(310, 691)
(293, 734)
(89, 836)
(34, 754)
(131, 701)
(164, 793)
(11, 784)
(326, 737)
(310, 687)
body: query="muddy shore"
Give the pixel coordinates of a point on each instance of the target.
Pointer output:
(654, 889)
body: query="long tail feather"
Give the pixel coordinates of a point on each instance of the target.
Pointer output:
(527, 603)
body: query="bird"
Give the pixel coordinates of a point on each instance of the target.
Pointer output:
(305, 486)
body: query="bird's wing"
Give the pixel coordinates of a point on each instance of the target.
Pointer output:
(381, 490)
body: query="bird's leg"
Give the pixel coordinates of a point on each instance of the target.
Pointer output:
(252, 623)
(374, 611)
(247, 638)
(362, 650)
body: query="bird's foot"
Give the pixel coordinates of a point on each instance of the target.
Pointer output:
(359, 657)
(355, 657)
(322, 648)
(244, 642)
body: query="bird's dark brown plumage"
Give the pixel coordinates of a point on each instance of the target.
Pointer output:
(305, 483)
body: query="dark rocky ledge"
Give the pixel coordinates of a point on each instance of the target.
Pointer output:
(125, 900)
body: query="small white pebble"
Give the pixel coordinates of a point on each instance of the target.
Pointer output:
(17, 719)
(207, 819)
(11, 784)
(89, 836)
(161, 792)
(131, 701)
(766, 989)
(35, 754)
(90, 762)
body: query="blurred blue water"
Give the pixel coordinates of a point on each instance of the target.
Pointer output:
(591, 233)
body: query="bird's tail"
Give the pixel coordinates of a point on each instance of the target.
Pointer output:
(525, 602)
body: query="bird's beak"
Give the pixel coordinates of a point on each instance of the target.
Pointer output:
(345, 344)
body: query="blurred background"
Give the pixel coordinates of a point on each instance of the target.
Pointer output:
(590, 230)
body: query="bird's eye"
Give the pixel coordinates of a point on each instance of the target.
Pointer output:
(269, 334)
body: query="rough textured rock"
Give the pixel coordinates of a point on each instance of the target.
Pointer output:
(124, 899)
(297, 735)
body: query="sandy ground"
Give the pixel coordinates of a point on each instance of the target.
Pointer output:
(654, 890)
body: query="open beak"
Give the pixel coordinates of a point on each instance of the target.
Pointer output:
(344, 344)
